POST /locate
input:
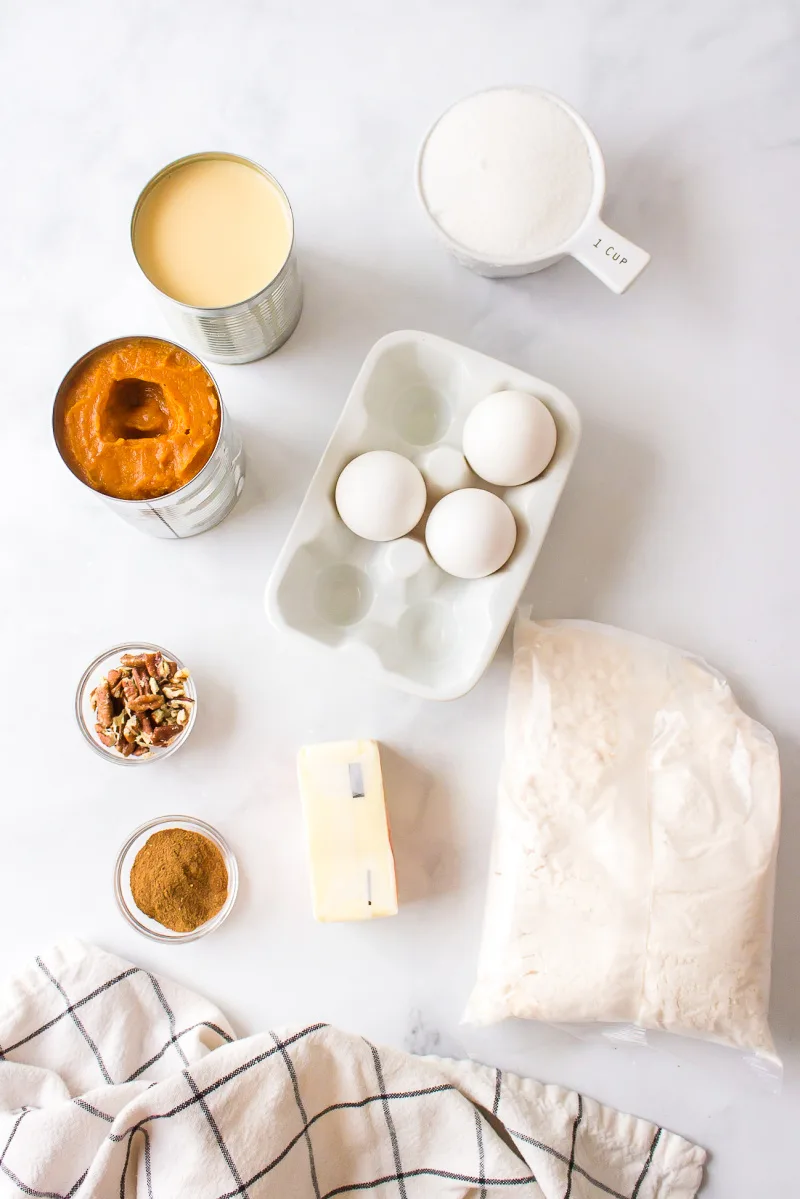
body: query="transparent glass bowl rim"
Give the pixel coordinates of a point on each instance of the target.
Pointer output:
(198, 826)
(110, 755)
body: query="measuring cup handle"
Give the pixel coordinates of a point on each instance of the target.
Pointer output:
(615, 260)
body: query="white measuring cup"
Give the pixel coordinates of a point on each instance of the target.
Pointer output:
(614, 259)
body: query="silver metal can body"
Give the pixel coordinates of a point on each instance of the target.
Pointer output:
(243, 332)
(202, 502)
(250, 329)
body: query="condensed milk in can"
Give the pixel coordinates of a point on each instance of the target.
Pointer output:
(195, 507)
(214, 235)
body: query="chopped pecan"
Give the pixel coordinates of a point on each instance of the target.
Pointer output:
(129, 689)
(125, 747)
(145, 703)
(152, 662)
(107, 738)
(114, 677)
(105, 710)
(146, 723)
(166, 733)
(132, 660)
(142, 679)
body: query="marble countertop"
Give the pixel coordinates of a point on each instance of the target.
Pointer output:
(679, 521)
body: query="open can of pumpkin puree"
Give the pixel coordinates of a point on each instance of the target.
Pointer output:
(140, 421)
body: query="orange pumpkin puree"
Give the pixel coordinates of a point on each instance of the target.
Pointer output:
(138, 419)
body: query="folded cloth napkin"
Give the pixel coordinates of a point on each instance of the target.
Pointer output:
(116, 1083)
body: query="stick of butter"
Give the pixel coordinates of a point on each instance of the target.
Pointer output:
(352, 867)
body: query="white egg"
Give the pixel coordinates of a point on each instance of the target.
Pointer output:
(471, 533)
(509, 438)
(381, 495)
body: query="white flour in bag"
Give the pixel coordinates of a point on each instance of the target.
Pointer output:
(634, 852)
(507, 174)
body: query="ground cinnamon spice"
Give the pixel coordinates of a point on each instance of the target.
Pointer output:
(180, 879)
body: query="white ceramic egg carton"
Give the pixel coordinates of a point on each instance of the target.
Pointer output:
(387, 606)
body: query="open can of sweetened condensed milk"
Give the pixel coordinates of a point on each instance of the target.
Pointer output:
(139, 416)
(214, 235)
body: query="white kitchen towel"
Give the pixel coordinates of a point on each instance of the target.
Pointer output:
(115, 1083)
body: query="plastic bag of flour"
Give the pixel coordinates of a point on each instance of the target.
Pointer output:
(633, 863)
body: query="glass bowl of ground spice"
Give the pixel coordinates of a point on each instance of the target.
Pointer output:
(175, 879)
(136, 703)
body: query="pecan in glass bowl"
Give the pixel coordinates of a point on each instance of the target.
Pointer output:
(136, 703)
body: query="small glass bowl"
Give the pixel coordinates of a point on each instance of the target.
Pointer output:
(122, 879)
(97, 670)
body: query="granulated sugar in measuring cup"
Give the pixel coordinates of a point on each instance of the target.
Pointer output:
(513, 179)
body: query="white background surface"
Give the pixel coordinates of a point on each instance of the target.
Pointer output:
(680, 520)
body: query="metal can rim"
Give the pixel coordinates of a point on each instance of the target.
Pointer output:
(204, 156)
(104, 345)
